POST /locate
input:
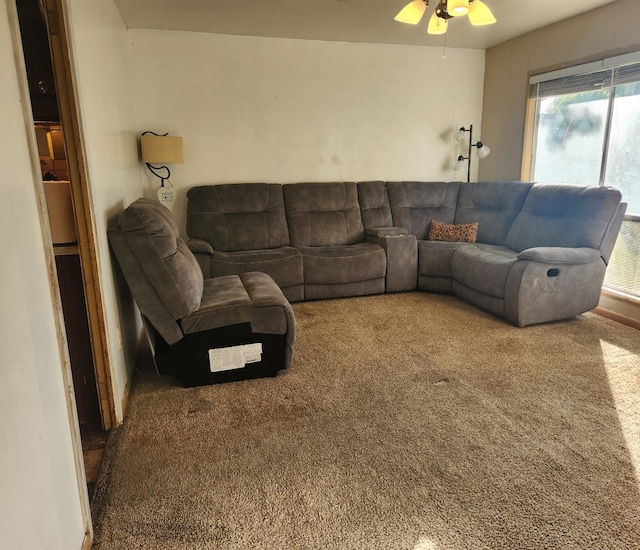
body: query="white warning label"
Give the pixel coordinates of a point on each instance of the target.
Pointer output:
(234, 357)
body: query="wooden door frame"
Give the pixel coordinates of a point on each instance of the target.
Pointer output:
(56, 22)
(16, 34)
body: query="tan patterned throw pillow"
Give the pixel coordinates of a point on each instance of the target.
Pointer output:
(463, 232)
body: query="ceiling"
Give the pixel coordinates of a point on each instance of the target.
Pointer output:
(345, 20)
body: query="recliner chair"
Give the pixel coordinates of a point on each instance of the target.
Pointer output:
(222, 329)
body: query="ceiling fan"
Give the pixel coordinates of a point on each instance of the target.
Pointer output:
(478, 12)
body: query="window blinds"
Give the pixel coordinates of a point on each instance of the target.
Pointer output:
(626, 74)
(572, 84)
(584, 78)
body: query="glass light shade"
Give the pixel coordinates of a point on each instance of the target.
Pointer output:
(460, 166)
(483, 151)
(460, 136)
(412, 12)
(161, 149)
(480, 14)
(455, 8)
(437, 25)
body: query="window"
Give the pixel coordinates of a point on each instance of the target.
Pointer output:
(586, 131)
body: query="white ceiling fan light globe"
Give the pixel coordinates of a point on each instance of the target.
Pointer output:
(412, 13)
(456, 8)
(437, 25)
(480, 14)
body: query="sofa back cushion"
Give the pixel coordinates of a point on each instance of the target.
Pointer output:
(415, 204)
(323, 214)
(162, 273)
(374, 204)
(494, 205)
(563, 215)
(234, 217)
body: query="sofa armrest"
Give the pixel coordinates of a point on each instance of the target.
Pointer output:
(203, 252)
(560, 255)
(386, 231)
(200, 246)
(402, 257)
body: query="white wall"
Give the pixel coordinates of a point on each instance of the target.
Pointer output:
(277, 110)
(41, 501)
(104, 85)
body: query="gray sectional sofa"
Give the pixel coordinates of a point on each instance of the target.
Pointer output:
(539, 252)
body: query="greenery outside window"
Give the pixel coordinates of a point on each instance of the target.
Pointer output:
(585, 130)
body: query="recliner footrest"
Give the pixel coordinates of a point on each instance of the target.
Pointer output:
(189, 359)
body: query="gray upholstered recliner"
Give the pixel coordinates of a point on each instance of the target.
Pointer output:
(554, 258)
(191, 322)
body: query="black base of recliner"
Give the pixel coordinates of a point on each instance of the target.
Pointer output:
(188, 359)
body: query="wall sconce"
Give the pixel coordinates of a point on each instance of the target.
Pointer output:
(483, 150)
(158, 150)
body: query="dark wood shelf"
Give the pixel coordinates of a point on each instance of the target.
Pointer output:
(66, 249)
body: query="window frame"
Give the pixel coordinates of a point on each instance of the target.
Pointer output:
(532, 116)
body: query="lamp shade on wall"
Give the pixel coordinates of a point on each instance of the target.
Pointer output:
(161, 149)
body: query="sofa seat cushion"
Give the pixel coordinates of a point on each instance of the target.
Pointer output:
(483, 267)
(434, 257)
(252, 298)
(343, 264)
(283, 264)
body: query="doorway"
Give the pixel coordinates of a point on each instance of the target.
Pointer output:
(70, 239)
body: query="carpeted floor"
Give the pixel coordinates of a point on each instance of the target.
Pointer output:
(410, 421)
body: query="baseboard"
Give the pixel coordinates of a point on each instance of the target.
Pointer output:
(619, 307)
(124, 402)
(618, 317)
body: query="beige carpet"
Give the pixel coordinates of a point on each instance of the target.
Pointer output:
(410, 421)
